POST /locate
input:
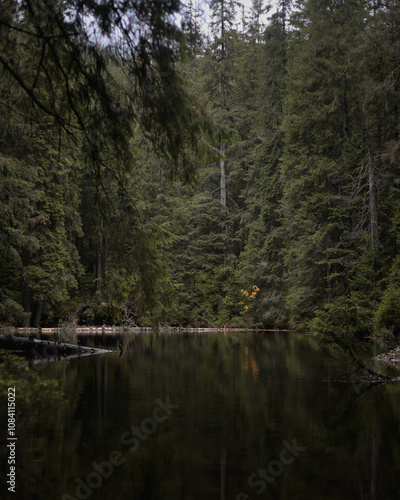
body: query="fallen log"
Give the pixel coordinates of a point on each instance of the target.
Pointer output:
(45, 348)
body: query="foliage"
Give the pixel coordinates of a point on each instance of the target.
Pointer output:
(34, 394)
(341, 321)
(388, 312)
(153, 172)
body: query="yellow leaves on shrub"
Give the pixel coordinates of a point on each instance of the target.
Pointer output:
(253, 293)
(249, 296)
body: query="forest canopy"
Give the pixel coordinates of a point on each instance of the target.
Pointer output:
(157, 171)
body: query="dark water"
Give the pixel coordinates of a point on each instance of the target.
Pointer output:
(201, 416)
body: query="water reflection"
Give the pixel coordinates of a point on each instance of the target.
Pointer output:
(243, 401)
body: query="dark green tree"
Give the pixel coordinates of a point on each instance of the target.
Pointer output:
(261, 261)
(97, 87)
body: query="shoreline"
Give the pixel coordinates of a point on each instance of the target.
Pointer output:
(134, 329)
(391, 357)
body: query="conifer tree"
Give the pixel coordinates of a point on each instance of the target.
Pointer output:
(223, 16)
(94, 89)
(261, 261)
(323, 152)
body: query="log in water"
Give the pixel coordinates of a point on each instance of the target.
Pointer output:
(45, 348)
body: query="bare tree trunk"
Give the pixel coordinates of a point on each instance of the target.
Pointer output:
(345, 112)
(105, 258)
(27, 294)
(223, 178)
(373, 206)
(26, 303)
(99, 264)
(38, 313)
(223, 104)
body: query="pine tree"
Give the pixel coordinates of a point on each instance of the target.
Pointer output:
(261, 261)
(323, 152)
(94, 99)
(223, 16)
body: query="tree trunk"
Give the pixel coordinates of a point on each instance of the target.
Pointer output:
(26, 303)
(345, 113)
(38, 313)
(373, 206)
(223, 104)
(99, 264)
(223, 179)
(45, 348)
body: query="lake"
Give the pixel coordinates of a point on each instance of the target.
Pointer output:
(227, 416)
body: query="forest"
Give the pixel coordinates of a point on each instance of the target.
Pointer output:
(242, 174)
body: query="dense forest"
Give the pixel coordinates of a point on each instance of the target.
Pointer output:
(159, 170)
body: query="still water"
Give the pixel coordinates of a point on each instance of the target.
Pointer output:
(201, 416)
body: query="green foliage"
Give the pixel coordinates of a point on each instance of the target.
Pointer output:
(341, 321)
(82, 113)
(388, 312)
(155, 175)
(11, 312)
(34, 395)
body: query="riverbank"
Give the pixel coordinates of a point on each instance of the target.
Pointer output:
(90, 330)
(391, 357)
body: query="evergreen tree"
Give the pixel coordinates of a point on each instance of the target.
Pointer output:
(92, 91)
(261, 261)
(223, 16)
(323, 152)
(123, 194)
(381, 114)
